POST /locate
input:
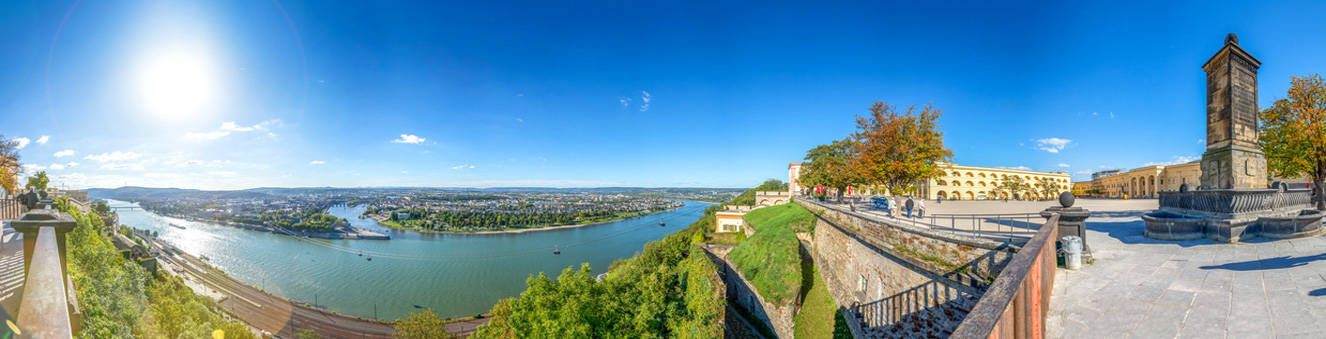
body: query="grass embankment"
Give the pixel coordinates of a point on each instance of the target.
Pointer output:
(819, 316)
(771, 259)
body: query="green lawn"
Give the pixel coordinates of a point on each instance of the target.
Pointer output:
(789, 215)
(819, 317)
(771, 259)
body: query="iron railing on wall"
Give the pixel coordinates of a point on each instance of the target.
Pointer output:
(1007, 227)
(1017, 302)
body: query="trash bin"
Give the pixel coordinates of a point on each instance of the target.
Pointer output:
(1072, 252)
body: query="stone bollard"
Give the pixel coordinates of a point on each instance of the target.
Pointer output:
(1072, 220)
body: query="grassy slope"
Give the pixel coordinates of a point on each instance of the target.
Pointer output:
(770, 259)
(819, 317)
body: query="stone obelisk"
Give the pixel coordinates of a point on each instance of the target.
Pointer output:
(1233, 158)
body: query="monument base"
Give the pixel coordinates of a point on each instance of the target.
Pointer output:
(1233, 215)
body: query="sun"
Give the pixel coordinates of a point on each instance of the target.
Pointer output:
(178, 84)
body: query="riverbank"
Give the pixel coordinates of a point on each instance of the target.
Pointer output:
(382, 220)
(341, 231)
(281, 316)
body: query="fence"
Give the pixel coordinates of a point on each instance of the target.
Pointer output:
(1016, 304)
(1010, 227)
(10, 209)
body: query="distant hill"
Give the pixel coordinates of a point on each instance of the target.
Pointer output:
(133, 192)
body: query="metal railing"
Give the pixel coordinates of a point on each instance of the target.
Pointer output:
(1016, 305)
(1009, 227)
(49, 308)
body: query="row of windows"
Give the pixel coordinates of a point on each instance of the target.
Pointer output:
(982, 184)
(1001, 176)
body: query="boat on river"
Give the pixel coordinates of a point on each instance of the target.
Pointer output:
(176, 226)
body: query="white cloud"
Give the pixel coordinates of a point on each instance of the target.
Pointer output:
(57, 166)
(1023, 168)
(115, 167)
(22, 142)
(33, 168)
(189, 163)
(1086, 171)
(206, 136)
(113, 156)
(43, 139)
(1052, 145)
(71, 164)
(221, 173)
(644, 97)
(626, 102)
(231, 126)
(408, 139)
(520, 120)
(1111, 115)
(1178, 159)
(316, 162)
(1201, 141)
(1063, 165)
(64, 153)
(465, 166)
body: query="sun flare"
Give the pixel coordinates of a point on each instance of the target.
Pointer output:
(177, 85)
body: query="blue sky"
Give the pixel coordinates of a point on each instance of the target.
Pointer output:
(231, 95)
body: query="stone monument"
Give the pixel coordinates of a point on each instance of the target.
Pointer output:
(1233, 201)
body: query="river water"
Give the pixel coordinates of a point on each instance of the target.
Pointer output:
(454, 274)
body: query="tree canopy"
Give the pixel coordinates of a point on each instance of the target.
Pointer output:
(1294, 133)
(897, 149)
(38, 181)
(8, 163)
(831, 165)
(421, 325)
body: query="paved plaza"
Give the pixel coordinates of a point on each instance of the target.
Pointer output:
(1144, 288)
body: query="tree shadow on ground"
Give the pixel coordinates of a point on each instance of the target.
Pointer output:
(1268, 264)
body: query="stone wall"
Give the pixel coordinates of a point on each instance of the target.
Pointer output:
(741, 293)
(971, 261)
(870, 269)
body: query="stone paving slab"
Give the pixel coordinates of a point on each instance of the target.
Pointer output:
(1144, 288)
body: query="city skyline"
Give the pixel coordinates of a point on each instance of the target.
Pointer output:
(233, 96)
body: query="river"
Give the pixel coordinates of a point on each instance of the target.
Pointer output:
(454, 274)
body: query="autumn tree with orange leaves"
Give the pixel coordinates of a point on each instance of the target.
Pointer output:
(1294, 133)
(9, 165)
(899, 149)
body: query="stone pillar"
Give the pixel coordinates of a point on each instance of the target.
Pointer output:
(1072, 220)
(1233, 158)
(31, 223)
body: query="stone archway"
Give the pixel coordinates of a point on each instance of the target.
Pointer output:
(971, 196)
(943, 195)
(956, 195)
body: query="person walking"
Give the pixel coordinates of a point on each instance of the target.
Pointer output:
(909, 206)
(920, 208)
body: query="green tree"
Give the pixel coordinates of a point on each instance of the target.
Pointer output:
(1011, 185)
(307, 334)
(38, 181)
(1048, 187)
(898, 149)
(831, 165)
(421, 325)
(1294, 134)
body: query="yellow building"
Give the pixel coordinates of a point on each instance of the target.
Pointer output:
(1146, 182)
(978, 183)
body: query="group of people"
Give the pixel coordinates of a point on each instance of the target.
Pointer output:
(910, 205)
